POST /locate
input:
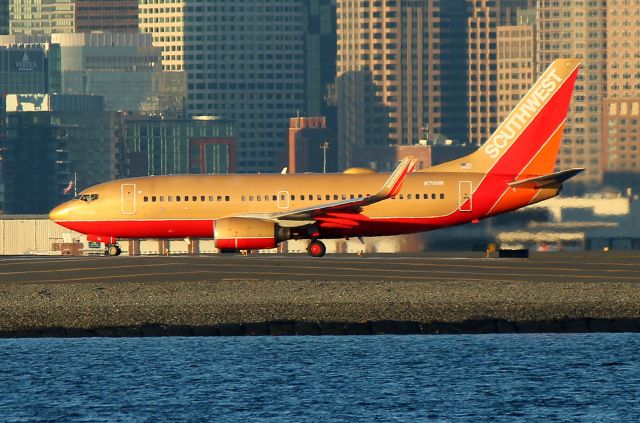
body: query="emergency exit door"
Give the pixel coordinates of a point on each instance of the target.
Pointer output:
(465, 199)
(128, 198)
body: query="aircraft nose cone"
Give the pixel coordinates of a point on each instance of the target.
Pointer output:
(59, 213)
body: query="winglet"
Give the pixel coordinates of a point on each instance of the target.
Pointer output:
(553, 180)
(393, 185)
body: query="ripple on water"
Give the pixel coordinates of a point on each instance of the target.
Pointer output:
(593, 377)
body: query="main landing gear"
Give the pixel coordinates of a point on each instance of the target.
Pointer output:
(113, 250)
(316, 248)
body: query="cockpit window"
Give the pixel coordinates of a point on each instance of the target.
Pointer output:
(86, 197)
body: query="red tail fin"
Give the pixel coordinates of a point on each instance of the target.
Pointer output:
(529, 138)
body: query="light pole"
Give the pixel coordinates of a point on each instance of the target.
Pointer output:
(324, 145)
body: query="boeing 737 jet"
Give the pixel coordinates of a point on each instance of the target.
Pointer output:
(513, 169)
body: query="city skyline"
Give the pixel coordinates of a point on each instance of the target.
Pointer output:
(384, 74)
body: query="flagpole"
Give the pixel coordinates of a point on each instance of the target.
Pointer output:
(75, 184)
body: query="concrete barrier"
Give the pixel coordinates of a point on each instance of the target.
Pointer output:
(289, 328)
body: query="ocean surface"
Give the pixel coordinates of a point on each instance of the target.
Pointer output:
(586, 377)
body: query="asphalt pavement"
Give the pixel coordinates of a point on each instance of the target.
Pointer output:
(613, 266)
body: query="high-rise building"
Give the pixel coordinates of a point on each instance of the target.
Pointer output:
(621, 106)
(119, 66)
(486, 16)
(320, 55)
(70, 16)
(47, 139)
(23, 69)
(399, 67)
(245, 61)
(124, 68)
(153, 145)
(515, 59)
(4, 17)
(106, 15)
(578, 29)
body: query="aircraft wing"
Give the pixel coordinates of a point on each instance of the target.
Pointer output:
(552, 180)
(352, 206)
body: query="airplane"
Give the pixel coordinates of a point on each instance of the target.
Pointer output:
(512, 169)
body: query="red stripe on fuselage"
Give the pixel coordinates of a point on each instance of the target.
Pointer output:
(143, 228)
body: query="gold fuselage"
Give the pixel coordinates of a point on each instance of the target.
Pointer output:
(423, 195)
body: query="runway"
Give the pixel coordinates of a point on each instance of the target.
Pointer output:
(622, 266)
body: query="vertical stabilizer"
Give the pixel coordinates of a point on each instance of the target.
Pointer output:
(529, 138)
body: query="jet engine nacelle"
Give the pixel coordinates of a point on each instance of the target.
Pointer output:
(240, 233)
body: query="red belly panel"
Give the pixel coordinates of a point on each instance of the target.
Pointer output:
(144, 228)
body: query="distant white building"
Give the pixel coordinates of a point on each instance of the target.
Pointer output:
(124, 68)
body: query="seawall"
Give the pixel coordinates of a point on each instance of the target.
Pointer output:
(310, 307)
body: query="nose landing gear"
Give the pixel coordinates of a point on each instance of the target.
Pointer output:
(316, 248)
(113, 250)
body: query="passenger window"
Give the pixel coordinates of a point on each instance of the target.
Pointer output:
(359, 195)
(275, 198)
(328, 197)
(417, 196)
(409, 197)
(302, 197)
(442, 196)
(186, 198)
(194, 198)
(203, 198)
(293, 197)
(283, 197)
(153, 199)
(211, 198)
(146, 199)
(335, 196)
(177, 198)
(162, 198)
(94, 197)
(251, 198)
(425, 196)
(433, 196)
(170, 198)
(243, 198)
(402, 196)
(259, 197)
(227, 198)
(220, 198)
(352, 196)
(319, 197)
(344, 196)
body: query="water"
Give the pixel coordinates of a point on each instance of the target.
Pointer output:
(590, 377)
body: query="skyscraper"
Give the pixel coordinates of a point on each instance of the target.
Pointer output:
(621, 106)
(395, 59)
(578, 29)
(486, 16)
(245, 61)
(515, 59)
(68, 16)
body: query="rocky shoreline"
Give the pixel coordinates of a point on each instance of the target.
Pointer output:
(259, 307)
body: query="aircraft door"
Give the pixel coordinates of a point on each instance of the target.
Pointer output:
(128, 198)
(283, 199)
(465, 196)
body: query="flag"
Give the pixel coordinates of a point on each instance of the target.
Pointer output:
(68, 188)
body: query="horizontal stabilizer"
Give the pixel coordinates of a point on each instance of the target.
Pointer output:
(553, 180)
